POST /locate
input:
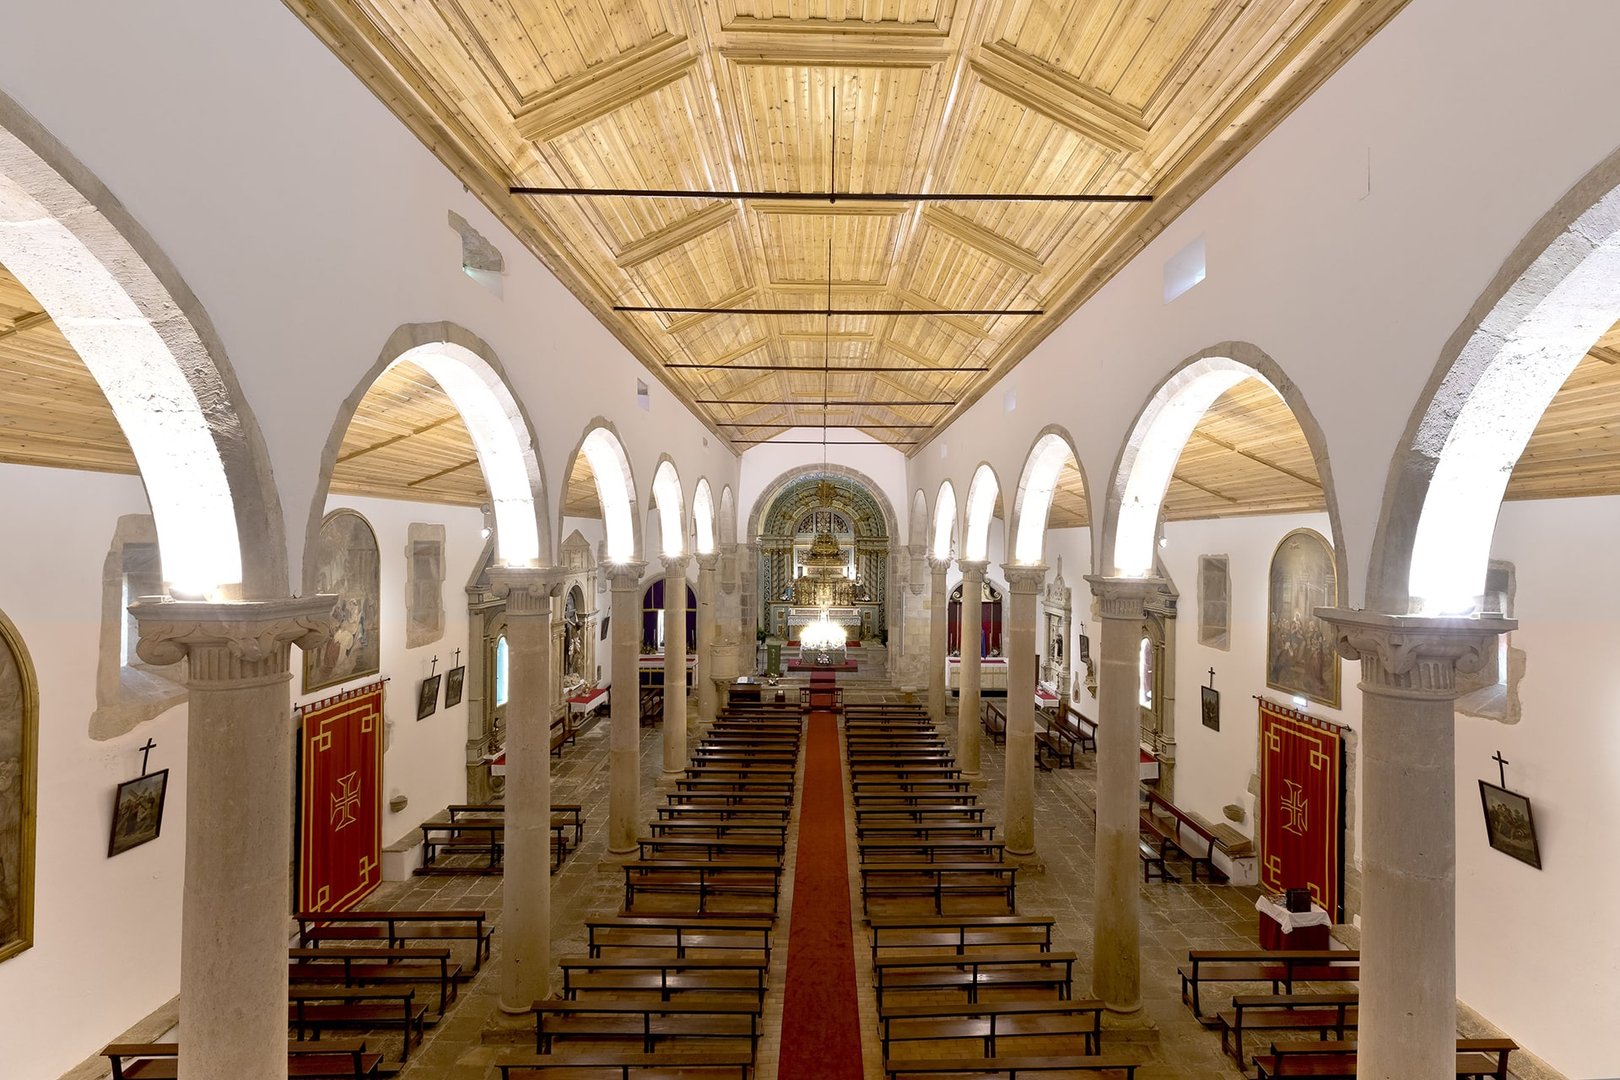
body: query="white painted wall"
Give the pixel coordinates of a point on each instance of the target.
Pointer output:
(762, 465)
(425, 760)
(106, 931)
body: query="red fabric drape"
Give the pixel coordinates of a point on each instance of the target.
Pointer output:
(340, 800)
(1301, 804)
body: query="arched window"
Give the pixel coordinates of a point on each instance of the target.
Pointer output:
(501, 662)
(1144, 660)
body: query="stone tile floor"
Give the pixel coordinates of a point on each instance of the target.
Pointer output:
(1175, 917)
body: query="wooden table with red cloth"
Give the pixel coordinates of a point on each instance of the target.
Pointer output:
(1301, 804)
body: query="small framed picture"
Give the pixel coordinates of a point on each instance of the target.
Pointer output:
(137, 811)
(453, 684)
(427, 698)
(1509, 824)
(1210, 707)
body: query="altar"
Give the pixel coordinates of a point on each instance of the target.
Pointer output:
(800, 617)
(992, 674)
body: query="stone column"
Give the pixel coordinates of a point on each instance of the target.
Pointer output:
(624, 791)
(1116, 931)
(1409, 667)
(967, 697)
(674, 663)
(233, 926)
(707, 693)
(1024, 585)
(936, 638)
(526, 875)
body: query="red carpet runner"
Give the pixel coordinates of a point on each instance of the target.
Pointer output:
(821, 1026)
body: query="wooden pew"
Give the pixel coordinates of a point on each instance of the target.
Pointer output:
(369, 965)
(665, 975)
(959, 811)
(1476, 1059)
(699, 847)
(397, 928)
(748, 878)
(994, 719)
(938, 880)
(1005, 967)
(1153, 861)
(1174, 828)
(677, 934)
(648, 1020)
(315, 1009)
(939, 830)
(1321, 1013)
(698, 824)
(895, 850)
(959, 932)
(1068, 733)
(992, 1021)
(1010, 1067)
(627, 1066)
(333, 1059)
(693, 811)
(1280, 968)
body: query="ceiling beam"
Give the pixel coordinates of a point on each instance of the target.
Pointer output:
(25, 322)
(1016, 75)
(1223, 444)
(443, 472)
(352, 454)
(840, 404)
(1206, 490)
(860, 370)
(654, 309)
(831, 197)
(603, 88)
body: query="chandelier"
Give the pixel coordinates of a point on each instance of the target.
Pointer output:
(822, 635)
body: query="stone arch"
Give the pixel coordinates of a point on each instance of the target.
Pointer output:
(1052, 450)
(470, 374)
(1142, 471)
(728, 517)
(615, 488)
(1551, 299)
(159, 362)
(775, 488)
(984, 491)
(946, 524)
(703, 530)
(917, 528)
(670, 502)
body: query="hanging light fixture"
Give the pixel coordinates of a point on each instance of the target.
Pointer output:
(823, 635)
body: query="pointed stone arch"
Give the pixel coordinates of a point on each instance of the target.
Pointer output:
(670, 503)
(704, 533)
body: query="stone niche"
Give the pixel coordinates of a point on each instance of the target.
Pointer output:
(424, 584)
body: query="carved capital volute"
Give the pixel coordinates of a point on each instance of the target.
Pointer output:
(707, 564)
(1414, 656)
(527, 590)
(675, 565)
(973, 570)
(938, 566)
(1122, 598)
(626, 576)
(244, 644)
(1024, 578)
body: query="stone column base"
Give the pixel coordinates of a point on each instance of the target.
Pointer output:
(1131, 1027)
(517, 1029)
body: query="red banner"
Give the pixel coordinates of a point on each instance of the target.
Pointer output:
(340, 800)
(1301, 804)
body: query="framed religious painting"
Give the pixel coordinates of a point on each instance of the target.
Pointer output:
(347, 566)
(427, 697)
(138, 812)
(453, 683)
(1509, 824)
(19, 748)
(1209, 707)
(1301, 656)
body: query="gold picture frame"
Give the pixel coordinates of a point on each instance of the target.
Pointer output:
(20, 938)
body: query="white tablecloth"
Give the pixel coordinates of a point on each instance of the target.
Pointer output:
(1291, 920)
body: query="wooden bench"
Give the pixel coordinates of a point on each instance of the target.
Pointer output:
(369, 965)
(896, 849)
(397, 928)
(695, 847)
(1321, 1013)
(315, 1009)
(1152, 861)
(1174, 828)
(703, 879)
(664, 976)
(994, 719)
(691, 811)
(701, 825)
(945, 812)
(959, 932)
(990, 1022)
(937, 880)
(651, 708)
(562, 733)
(744, 797)
(469, 836)
(938, 830)
(1067, 733)
(1011, 966)
(334, 1059)
(676, 934)
(1010, 1067)
(661, 1066)
(646, 1020)
(1280, 968)
(1476, 1059)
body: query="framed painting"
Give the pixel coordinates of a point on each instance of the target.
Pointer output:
(427, 697)
(1509, 824)
(1209, 707)
(19, 749)
(137, 812)
(1301, 657)
(348, 566)
(453, 684)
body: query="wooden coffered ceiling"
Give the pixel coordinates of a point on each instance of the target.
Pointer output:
(1155, 97)
(407, 441)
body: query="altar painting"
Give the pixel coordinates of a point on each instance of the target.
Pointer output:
(1300, 654)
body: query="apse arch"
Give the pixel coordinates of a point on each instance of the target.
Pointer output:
(703, 531)
(1142, 471)
(983, 492)
(945, 522)
(1052, 450)
(670, 503)
(1553, 296)
(470, 374)
(768, 496)
(615, 485)
(149, 345)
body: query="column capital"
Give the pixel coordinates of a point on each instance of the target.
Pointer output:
(527, 590)
(1414, 656)
(1120, 597)
(625, 576)
(240, 644)
(707, 562)
(938, 565)
(1024, 577)
(675, 564)
(973, 569)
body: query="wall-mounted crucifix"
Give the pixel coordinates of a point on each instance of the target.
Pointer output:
(1501, 766)
(146, 752)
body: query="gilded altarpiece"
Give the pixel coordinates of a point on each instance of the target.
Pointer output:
(812, 508)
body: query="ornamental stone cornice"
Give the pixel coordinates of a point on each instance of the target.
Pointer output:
(675, 564)
(1122, 598)
(1414, 656)
(231, 644)
(527, 590)
(1024, 577)
(625, 576)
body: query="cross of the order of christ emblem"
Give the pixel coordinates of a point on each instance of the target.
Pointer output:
(1294, 807)
(345, 801)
